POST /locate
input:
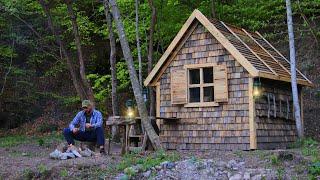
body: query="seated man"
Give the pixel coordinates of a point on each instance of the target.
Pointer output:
(90, 128)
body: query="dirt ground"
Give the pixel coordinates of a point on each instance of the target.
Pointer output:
(31, 161)
(27, 161)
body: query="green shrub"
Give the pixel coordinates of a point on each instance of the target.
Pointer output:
(40, 142)
(274, 160)
(314, 170)
(63, 173)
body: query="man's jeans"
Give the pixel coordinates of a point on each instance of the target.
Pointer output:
(96, 135)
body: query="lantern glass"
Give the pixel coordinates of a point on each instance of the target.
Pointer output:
(130, 112)
(257, 89)
(145, 94)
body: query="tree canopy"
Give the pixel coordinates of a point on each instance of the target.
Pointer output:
(34, 76)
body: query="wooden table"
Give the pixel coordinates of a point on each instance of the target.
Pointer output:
(125, 122)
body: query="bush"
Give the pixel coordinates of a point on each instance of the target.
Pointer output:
(314, 170)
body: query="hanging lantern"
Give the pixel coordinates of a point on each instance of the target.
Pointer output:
(257, 90)
(130, 111)
(145, 94)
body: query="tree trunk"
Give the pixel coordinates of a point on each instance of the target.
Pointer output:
(114, 83)
(293, 71)
(213, 11)
(75, 79)
(152, 110)
(154, 138)
(138, 41)
(75, 30)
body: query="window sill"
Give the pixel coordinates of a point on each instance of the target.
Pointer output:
(202, 104)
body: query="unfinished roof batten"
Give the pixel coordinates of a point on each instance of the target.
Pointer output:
(251, 50)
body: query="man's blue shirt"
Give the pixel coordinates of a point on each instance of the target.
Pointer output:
(80, 119)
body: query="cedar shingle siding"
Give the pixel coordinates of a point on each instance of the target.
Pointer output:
(278, 130)
(221, 127)
(236, 120)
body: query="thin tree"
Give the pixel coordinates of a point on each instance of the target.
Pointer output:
(70, 65)
(114, 83)
(293, 71)
(213, 11)
(150, 54)
(138, 41)
(154, 138)
(75, 30)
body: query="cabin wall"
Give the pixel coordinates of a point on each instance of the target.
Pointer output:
(278, 130)
(221, 127)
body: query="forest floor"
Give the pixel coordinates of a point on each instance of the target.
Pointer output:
(27, 157)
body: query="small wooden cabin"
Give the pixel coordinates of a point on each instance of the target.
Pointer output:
(206, 79)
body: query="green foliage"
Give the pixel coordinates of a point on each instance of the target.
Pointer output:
(64, 173)
(42, 168)
(14, 140)
(314, 170)
(10, 141)
(39, 73)
(40, 142)
(101, 86)
(148, 161)
(309, 147)
(280, 173)
(274, 160)
(28, 173)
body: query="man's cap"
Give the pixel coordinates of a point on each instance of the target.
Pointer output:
(86, 103)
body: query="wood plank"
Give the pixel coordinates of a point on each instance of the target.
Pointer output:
(158, 103)
(258, 57)
(310, 83)
(252, 122)
(267, 52)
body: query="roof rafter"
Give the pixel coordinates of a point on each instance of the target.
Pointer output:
(267, 52)
(262, 69)
(282, 55)
(235, 35)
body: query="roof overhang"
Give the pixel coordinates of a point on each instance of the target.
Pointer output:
(156, 72)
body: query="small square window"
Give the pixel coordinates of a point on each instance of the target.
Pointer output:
(194, 76)
(208, 94)
(208, 75)
(194, 95)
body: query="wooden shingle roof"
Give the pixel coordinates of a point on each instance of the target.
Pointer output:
(250, 49)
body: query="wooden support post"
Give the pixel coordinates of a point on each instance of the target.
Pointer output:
(301, 108)
(252, 121)
(158, 104)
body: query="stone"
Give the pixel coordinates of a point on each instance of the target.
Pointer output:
(124, 177)
(231, 164)
(56, 154)
(158, 167)
(86, 153)
(257, 177)
(236, 177)
(137, 168)
(221, 164)
(246, 176)
(147, 174)
(76, 153)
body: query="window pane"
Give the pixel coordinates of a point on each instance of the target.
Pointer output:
(194, 94)
(208, 94)
(208, 75)
(194, 76)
